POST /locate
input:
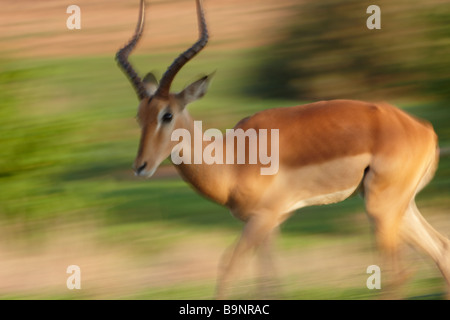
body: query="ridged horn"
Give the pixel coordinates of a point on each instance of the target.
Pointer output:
(122, 56)
(178, 63)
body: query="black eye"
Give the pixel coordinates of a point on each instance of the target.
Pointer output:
(167, 117)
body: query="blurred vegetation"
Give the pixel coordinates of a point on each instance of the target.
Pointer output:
(32, 148)
(326, 51)
(68, 136)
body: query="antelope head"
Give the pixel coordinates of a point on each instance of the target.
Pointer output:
(160, 112)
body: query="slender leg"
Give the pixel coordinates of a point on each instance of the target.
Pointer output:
(386, 202)
(255, 231)
(269, 287)
(420, 234)
(390, 203)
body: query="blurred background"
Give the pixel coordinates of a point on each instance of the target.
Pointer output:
(68, 138)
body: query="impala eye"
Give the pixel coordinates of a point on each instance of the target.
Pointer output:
(167, 117)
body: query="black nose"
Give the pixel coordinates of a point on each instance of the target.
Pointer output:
(142, 167)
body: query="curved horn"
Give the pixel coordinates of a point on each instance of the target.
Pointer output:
(122, 56)
(178, 63)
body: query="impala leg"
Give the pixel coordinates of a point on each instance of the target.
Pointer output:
(255, 232)
(390, 203)
(394, 275)
(420, 234)
(269, 287)
(389, 243)
(386, 204)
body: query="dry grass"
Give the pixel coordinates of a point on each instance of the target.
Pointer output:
(188, 261)
(38, 28)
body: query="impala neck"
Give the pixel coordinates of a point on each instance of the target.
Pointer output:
(211, 180)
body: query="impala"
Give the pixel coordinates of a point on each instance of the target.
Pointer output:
(328, 150)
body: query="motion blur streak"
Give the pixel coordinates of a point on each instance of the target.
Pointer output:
(68, 195)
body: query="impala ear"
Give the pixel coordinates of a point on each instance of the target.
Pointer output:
(150, 83)
(195, 90)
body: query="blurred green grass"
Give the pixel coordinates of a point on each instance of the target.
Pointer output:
(68, 138)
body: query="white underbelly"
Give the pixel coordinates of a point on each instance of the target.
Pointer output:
(319, 184)
(322, 199)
